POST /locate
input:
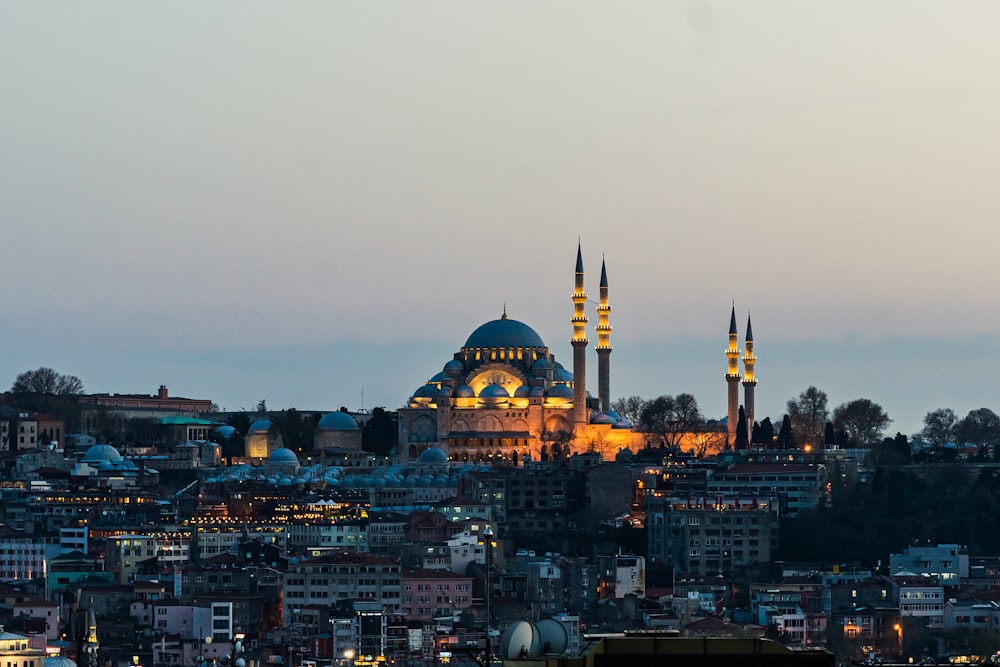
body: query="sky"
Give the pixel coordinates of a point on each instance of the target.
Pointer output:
(315, 203)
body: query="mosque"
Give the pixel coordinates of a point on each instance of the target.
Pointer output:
(504, 397)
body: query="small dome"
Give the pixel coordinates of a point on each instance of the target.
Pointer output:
(433, 455)
(337, 421)
(226, 432)
(425, 391)
(438, 377)
(282, 455)
(102, 454)
(537, 391)
(453, 368)
(444, 393)
(465, 391)
(504, 332)
(599, 418)
(493, 391)
(523, 391)
(559, 391)
(58, 661)
(261, 425)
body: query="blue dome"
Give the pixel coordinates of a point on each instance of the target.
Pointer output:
(433, 455)
(282, 455)
(465, 391)
(542, 364)
(425, 391)
(438, 377)
(599, 418)
(453, 368)
(560, 391)
(493, 391)
(260, 425)
(561, 374)
(523, 391)
(338, 421)
(226, 431)
(102, 454)
(504, 332)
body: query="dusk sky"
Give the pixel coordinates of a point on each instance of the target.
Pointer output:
(300, 201)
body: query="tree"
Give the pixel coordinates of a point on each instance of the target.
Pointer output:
(809, 415)
(45, 390)
(670, 417)
(862, 420)
(629, 408)
(47, 382)
(786, 436)
(980, 427)
(939, 427)
(767, 433)
(742, 439)
(380, 434)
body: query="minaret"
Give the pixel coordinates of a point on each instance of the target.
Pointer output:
(733, 377)
(604, 344)
(91, 644)
(579, 342)
(749, 379)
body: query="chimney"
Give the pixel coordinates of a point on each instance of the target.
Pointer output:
(162, 392)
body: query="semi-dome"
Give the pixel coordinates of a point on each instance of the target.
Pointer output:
(102, 454)
(282, 455)
(561, 374)
(504, 333)
(543, 364)
(338, 421)
(494, 391)
(260, 425)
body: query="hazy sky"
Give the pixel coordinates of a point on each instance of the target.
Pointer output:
(292, 201)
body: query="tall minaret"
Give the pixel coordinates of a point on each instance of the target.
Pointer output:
(604, 344)
(91, 645)
(579, 342)
(749, 380)
(733, 377)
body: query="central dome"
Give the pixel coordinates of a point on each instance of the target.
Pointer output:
(504, 332)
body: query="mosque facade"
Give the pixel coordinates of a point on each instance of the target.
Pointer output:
(504, 397)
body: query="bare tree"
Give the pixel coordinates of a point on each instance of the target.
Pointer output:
(47, 382)
(939, 427)
(670, 417)
(629, 408)
(809, 414)
(862, 420)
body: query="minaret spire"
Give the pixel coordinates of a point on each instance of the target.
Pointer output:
(579, 342)
(749, 379)
(603, 330)
(733, 377)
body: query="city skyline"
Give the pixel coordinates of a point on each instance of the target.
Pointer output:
(248, 202)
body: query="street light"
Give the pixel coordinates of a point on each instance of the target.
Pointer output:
(488, 534)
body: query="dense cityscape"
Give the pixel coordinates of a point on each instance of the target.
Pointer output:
(501, 512)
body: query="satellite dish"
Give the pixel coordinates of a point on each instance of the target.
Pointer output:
(521, 640)
(554, 638)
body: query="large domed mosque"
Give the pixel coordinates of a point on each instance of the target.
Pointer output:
(504, 397)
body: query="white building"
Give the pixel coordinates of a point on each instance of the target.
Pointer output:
(948, 562)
